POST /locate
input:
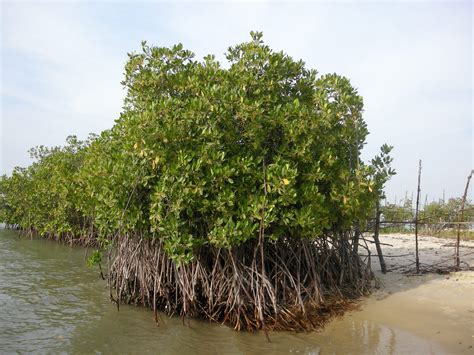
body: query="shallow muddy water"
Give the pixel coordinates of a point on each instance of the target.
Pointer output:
(51, 302)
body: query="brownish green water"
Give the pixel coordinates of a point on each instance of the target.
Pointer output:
(51, 302)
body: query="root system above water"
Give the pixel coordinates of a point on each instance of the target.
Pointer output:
(290, 284)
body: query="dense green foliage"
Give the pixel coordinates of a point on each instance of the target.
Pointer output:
(207, 155)
(46, 195)
(435, 217)
(392, 212)
(447, 213)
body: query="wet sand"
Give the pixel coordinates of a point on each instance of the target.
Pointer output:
(433, 306)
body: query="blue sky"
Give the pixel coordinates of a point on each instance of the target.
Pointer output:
(62, 63)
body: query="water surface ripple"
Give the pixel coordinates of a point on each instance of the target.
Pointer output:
(51, 302)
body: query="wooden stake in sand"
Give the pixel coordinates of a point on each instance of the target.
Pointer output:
(416, 218)
(377, 240)
(461, 219)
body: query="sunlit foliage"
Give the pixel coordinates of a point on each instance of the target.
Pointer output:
(209, 155)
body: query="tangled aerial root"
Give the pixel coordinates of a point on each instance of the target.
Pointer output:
(298, 285)
(85, 239)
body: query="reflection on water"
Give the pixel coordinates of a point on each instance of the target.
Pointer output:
(50, 301)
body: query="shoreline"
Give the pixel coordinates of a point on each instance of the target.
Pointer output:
(429, 313)
(439, 307)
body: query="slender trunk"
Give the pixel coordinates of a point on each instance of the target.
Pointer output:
(461, 219)
(416, 219)
(383, 267)
(355, 243)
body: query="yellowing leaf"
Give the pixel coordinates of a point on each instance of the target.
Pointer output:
(155, 162)
(135, 146)
(370, 189)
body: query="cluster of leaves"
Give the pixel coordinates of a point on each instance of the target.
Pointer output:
(435, 216)
(392, 212)
(45, 195)
(442, 215)
(206, 155)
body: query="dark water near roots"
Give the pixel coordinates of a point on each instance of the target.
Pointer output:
(51, 302)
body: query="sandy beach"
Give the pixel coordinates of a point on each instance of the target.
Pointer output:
(435, 307)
